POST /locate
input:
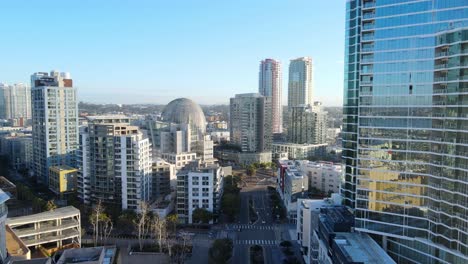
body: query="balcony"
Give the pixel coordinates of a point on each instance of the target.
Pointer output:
(441, 54)
(368, 5)
(440, 66)
(367, 49)
(368, 37)
(367, 60)
(368, 26)
(440, 79)
(369, 15)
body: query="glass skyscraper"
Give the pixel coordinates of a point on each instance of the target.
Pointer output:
(405, 138)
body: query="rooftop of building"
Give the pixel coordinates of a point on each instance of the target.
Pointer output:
(185, 111)
(106, 117)
(61, 168)
(248, 95)
(62, 212)
(3, 196)
(321, 164)
(292, 170)
(95, 255)
(33, 261)
(360, 248)
(299, 145)
(337, 218)
(6, 184)
(14, 244)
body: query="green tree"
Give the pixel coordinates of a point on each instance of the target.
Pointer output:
(221, 251)
(172, 220)
(251, 170)
(125, 222)
(50, 205)
(230, 204)
(201, 215)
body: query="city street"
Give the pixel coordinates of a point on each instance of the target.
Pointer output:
(264, 232)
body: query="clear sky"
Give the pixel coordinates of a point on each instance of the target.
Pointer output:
(139, 51)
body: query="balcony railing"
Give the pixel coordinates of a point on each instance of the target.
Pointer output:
(368, 15)
(368, 26)
(369, 5)
(440, 66)
(368, 37)
(441, 54)
(440, 79)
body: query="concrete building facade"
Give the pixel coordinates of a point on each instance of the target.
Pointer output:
(62, 179)
(115, 162)
(307, 124)
(54, 122)
(198, 186)
(291, 186)
(323, 176)
(52, 229)
(15, 102)
(251, 128)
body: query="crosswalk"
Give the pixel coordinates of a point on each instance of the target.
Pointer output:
(253, 227)
(256, 242)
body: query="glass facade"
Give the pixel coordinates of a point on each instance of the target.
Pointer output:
(405, 139)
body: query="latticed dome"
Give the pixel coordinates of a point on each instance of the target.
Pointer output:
(185, 111)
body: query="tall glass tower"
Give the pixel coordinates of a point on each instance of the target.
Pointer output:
(405, 138)
(270, 84)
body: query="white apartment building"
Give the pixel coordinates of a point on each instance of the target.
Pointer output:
(292, 185)
(294, 151)
(164, 178)
(198, 186)
(308, 211)
(54, 122)
(324, 176)
(114, 162)
(133, 167)
(179, 159)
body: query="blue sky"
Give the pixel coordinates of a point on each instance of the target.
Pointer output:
(139, 51)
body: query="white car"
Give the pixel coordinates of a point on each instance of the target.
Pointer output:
(263, 222)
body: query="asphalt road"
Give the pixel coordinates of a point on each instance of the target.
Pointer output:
(264, 231)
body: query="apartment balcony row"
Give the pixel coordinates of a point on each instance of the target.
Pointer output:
(43, 239)
(47, 228)
(368, 5)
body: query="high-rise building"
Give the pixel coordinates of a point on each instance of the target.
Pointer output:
(405, 127)
(114, 162)
(308, 124)
(15, 102)
(54, 122)
(270, 84)
(300, 86)
(251, 122)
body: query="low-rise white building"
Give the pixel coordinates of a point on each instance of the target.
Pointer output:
(298, 151)
(308, 211)
(292, 185)
(324, 176)
(199, 185)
